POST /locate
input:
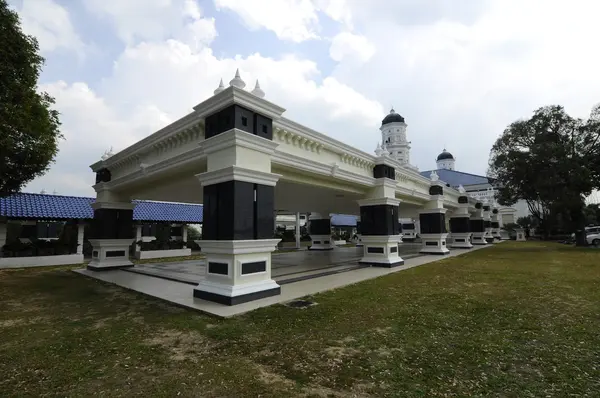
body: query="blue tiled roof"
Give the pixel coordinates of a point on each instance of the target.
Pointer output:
(342, 220)
(57, 207)
(456, 178)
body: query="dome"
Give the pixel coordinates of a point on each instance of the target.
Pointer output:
(445, 155)
(393, 117)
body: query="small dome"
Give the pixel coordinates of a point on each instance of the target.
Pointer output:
(445, 155)
(393, 117)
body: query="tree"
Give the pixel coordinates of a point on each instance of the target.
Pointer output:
(551, 162)
(29, 127)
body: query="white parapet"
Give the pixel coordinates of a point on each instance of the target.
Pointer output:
(41, 261)
(237, 271)
(434, 243)
(146, 254)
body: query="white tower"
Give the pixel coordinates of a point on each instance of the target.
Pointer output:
(445, 160)
(393, 137)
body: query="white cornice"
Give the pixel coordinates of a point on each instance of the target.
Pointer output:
(234, 95)
(236, 173)
(379, 201)
(235, 137)
(186, 122)
(329, 143)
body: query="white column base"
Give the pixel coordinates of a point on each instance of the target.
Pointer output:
(521, 235)
(237, 271)
(479, 239)
(461, 240)
(488, 235)
(434, 244)
(110, 254)
(381, 250)
(321, 242)
(409, 235)
(496, 234)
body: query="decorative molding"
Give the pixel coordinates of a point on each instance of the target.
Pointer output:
(236, 173)
(235, 137)
(234, 95)
(379, 201)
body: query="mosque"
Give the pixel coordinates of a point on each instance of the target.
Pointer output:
(394, 141)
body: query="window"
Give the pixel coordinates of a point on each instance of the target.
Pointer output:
(264, 129)
(244, 121)
(48, 230)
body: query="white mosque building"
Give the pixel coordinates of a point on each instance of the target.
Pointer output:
(394, 141)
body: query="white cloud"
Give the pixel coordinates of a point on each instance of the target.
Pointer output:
(294, 20)
(350, 46)
(50, 24)
(156, 20)
(459, 74)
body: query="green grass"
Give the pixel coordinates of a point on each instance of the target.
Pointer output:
(515, 320)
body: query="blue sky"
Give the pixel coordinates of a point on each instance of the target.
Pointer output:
(459, 72)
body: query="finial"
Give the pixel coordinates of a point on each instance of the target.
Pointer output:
(434, 176)
(220, 88)
(461, 189)
(43, 191)
(378, 150)
(237, 80)
(392, 110)
(258, 91)
(384, 152)
(107, 154)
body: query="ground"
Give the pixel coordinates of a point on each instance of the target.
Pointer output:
(517, 319)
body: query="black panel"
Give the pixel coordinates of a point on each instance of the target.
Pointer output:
(379, 220)
(431, 244)
(495, 224)
(241, 118)
(433, 223)
(375, 250)
(103, 175)
(487, 224)
(460, 224)
(264, 211)
(252, 268)
(317, 242)
(486, 208)
(218, 268)
(463, 199)
(408, 226)
(393, 250)
(115, 253)
(436, 190)
(358, 228)
(325, 242)
(231, 213)
(477, 226)
(263, 126)
(227, 300)
(495, 211)
(320, 227)
(95, 253)
(112, 224)
(478, 205)
(384, 171)
(459, 240)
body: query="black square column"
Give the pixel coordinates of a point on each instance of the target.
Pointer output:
(379, 220)
(111, 223)
(460, 225)
(433, 223)
(238, 210)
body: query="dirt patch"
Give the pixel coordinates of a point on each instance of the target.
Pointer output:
(9, 323)
(347, 340)
(384, 330)
(182, 346)
(339, 352)
(268, 377)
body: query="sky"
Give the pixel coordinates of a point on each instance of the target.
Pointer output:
(458, 71)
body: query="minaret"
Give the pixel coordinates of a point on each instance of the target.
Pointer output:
(445, 160)
(393, 136)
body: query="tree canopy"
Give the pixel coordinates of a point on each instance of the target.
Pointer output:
(29, 127)
(551, 160)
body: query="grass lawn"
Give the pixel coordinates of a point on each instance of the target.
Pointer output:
(515, 320)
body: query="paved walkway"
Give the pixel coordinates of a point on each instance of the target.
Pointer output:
(179, 289)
